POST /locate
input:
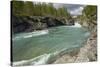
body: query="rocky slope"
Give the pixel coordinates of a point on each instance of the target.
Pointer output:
(32, 23)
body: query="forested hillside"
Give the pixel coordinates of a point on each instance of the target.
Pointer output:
(89, 17)
(29, 16)
(28, 8)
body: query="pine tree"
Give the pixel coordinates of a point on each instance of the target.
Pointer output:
(28, 8)
(90, 11)
(17, 7)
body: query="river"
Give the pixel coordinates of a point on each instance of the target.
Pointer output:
(40, 47)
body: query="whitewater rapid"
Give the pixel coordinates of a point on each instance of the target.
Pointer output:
(45, 58)
(39, 33)
(31, 34)
(77, 25)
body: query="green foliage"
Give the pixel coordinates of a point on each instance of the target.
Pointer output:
(28, 8)
(89, 17)
(90, 12)
(17, 7)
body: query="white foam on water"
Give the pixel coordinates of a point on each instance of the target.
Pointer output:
(76, 25)
(28, 36)
(36, 33)
(32, 34)
(42, 59)
(38, 60)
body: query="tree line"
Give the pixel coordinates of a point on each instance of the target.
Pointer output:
(28, 8)
(89, 12)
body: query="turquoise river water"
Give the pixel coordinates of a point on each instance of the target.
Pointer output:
(40, 47)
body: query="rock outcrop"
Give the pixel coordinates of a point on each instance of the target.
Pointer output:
(31, 23)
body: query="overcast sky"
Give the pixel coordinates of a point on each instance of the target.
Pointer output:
(74, 9)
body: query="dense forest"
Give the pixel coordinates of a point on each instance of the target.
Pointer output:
(30, 16)
(28, 8)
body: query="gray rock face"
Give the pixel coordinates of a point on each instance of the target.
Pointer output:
(19, 24)
(28, 24)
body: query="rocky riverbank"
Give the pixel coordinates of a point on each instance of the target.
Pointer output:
(32, 23)
(85, 54)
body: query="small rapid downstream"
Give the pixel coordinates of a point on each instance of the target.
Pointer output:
(40, 47)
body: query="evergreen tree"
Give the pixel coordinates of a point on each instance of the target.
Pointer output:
(17, 7)
(28, 8)
(90, 11)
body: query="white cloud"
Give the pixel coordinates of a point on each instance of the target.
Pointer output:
(58, 5)
(77, 11)
(73, 9)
